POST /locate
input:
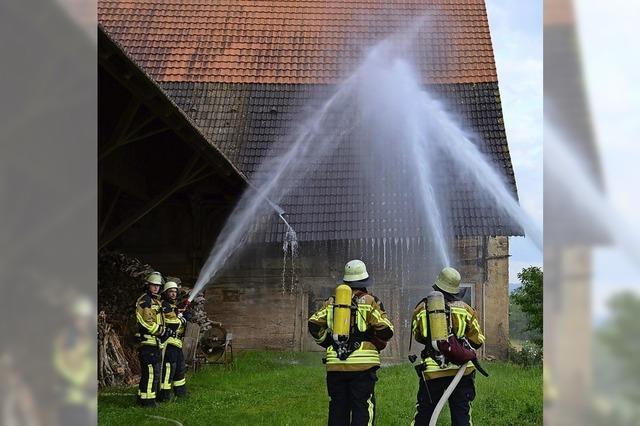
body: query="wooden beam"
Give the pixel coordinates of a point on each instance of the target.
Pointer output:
(105, 220)
(124, 123)
(126, 140)
(140, 126)
(185, 179)
(143, 136)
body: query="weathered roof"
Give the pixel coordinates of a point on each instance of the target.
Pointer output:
(114, 59)
(295, 41)
(244, 70)
(248, 120)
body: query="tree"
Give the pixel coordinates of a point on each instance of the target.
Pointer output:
(529, 298)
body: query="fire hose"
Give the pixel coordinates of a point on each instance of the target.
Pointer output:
(445, 396)
(444, 348)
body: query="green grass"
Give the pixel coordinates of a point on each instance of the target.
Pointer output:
(279, 388)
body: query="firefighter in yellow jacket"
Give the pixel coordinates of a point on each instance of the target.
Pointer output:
(173, 365)
(151, 335)
(353, 358)
(437, 377)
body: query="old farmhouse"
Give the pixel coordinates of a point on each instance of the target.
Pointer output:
(240, 72)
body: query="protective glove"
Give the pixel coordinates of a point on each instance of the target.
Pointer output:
(166, 334)
(187, 315)
(182, 319)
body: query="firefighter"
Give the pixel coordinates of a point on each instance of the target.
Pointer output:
(436, 377)
(151, 335)
(351, 368)
(173, 365)
(75, 364)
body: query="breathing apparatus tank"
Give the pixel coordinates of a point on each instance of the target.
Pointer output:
(342, 313)
(342, 320)
(438, 328)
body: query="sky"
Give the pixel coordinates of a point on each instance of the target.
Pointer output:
(516, 33)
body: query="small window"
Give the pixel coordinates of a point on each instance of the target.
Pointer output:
(468, 294)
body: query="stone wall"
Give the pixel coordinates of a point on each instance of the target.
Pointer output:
(266, 309)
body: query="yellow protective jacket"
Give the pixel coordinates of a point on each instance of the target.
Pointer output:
(174, 322)
(464, 324)
(150, 319)
(370, 319)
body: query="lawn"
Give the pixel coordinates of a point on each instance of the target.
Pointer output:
(279, 388)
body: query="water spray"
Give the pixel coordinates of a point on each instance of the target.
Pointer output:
(220, 257)
(403, 150)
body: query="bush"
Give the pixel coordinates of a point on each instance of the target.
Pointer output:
(529, 298)
(530, 354)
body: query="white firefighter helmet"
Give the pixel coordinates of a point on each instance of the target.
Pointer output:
(169, 285)
(448, 280)
(355, 270)
(154, 278)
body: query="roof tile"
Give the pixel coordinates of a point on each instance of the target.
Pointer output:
(235, 40)
(251, 133)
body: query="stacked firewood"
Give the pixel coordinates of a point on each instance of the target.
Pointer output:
(113, 364)
(121, 280)
(120, 283)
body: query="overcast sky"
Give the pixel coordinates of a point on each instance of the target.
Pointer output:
(516, 32)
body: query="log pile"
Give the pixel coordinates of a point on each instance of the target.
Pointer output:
(121, 280)
(120, 283)
(113, 364)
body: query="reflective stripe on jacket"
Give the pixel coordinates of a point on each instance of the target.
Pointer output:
(172, 321)
(149, 318)
(370, 315)
(464, 324)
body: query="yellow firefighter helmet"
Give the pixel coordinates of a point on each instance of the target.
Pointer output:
(448, 280)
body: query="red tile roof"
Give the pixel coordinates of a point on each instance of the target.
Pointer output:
(295, 41)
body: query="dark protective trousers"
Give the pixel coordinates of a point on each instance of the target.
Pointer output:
(459, 401)
(351, 397)
(149, 357)
(173, 373)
